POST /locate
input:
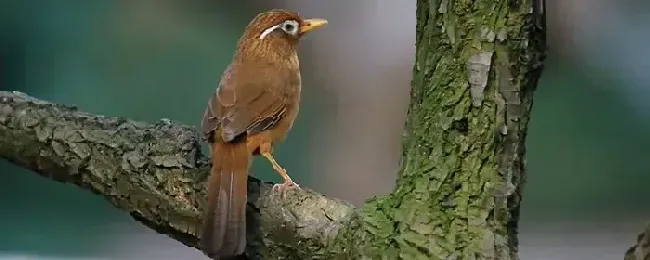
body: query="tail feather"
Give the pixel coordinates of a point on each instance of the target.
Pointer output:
(224, 222)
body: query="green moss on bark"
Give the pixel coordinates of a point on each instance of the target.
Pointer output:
(458, 191)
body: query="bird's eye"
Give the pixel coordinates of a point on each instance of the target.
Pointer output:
(290, 27)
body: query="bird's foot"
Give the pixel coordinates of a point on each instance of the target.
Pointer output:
(283, 187)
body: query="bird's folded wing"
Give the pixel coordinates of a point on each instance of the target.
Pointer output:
(258, 112)
(245, 103)
(222, 97)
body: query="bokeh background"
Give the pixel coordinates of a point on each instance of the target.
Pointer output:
(588, 143)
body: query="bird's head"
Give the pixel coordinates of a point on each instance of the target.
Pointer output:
(277, 31)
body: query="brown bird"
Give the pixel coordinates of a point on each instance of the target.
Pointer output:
(252, 109)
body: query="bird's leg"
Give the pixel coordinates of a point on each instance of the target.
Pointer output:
(266, 150)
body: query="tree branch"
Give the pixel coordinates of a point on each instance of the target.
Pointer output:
(157, 173)
(641, 250)
(461, 175)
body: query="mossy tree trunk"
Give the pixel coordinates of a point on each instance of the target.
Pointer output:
(462, 171)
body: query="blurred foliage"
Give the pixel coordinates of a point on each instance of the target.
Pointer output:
(585, 146)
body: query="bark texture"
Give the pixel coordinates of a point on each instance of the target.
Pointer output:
(156, 173)
(462, 170)
(641, 250)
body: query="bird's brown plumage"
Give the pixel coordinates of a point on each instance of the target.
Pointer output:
(254, 107)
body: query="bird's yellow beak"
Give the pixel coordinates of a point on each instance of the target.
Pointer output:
(310, 24)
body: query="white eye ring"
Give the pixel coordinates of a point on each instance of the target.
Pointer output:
(290, 27)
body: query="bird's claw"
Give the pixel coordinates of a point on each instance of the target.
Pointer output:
(283, 187)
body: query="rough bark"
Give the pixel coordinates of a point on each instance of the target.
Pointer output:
(458, 190)
(462, 170)
(641, 250)
(156, 173)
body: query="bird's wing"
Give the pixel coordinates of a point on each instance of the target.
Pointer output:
(246, 104)
(214, 110)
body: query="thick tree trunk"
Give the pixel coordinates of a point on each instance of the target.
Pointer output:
(459, 188)
(457, 194)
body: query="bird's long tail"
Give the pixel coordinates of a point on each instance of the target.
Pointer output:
(224, 226)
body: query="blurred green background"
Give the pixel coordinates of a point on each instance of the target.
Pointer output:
(587, 143)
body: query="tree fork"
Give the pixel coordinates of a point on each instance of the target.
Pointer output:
(462, 170)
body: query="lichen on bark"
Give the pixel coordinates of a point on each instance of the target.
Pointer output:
(157, 174)
(458, 190)
(462, 170)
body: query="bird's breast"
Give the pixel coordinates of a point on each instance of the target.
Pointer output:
(293, 81)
